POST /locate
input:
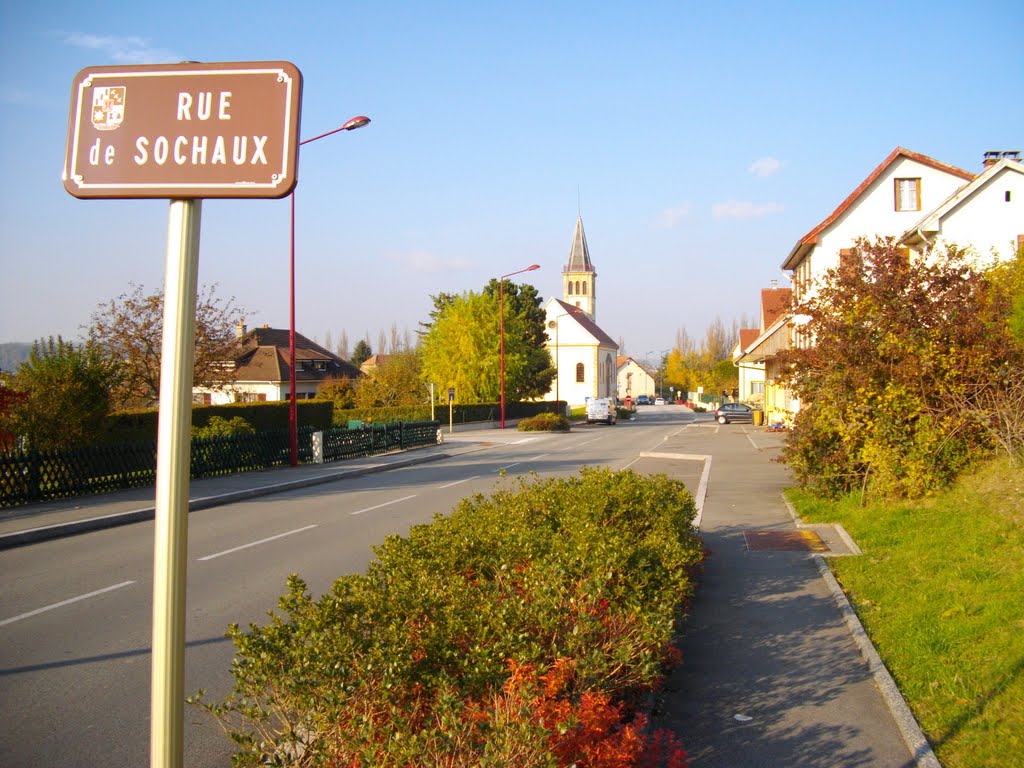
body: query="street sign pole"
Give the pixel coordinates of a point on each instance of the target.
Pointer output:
(181, 132)
(170, 554)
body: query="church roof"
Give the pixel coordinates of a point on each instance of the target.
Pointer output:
(587, 324)
(579, 254)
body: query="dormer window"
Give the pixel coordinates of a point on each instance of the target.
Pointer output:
(908, 194)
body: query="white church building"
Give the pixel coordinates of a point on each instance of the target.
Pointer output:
(584, 356)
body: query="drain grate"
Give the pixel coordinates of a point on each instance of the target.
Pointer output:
(784, 541)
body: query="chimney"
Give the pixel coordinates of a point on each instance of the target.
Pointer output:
(991, 158)
(775, 283)
(240, 330)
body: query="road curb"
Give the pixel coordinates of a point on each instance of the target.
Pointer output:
(61, 530)
(920, 750)
(910, 729)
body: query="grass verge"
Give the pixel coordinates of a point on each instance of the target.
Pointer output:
(940, 591)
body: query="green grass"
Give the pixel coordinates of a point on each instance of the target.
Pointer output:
(940, 590)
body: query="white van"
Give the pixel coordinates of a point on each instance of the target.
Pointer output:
(602, 409)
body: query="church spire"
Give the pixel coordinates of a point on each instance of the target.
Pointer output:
(579, 280)
(579, 254)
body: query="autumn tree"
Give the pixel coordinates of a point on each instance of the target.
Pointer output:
(900, 348)
(64, 394)
(709, 365)
(394, 382)
(461, 346)
(525, 325)
(341, 390)
(129, 328)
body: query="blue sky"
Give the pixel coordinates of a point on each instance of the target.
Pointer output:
(699, 141)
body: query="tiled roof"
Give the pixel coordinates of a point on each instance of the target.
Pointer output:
(748, 336)
(263, 355)
(774, 303)
(811, 238)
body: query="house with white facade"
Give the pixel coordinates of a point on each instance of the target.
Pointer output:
(986, 215)
(260, 369)
(887, 203)
(633, 380)
(584, 356)
(750, 373)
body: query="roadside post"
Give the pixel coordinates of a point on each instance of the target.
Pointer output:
(182, 132)
(451, 405)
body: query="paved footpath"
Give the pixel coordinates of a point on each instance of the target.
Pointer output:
(772, 674)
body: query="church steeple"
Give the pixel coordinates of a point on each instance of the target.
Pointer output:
(579, 280)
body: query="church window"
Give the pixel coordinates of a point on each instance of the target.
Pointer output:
(577, 286)
(579, 373)
(584, 289)
(570, 287)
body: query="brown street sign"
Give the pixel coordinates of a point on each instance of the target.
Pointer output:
(228, 130)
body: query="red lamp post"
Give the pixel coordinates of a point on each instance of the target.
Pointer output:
(293, 422)
(501, 329)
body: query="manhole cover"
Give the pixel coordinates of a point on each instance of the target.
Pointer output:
(784, 541)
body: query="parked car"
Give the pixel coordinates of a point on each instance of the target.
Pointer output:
(643, 400)
(730, 412)
(659, 401)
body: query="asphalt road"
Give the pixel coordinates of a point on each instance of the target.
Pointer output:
(75, 614)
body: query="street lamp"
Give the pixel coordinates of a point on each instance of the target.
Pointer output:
(661, 369)
(501, 329)
(293, 421)
(575, 311)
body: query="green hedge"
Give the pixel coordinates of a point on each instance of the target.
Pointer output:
(526, 628)
(461, 413)
(135, 426)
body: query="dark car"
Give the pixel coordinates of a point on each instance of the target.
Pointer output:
(643, 400)
(730, 412)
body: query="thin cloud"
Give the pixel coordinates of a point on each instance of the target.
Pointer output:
(670, 217)
(766, 166)
(424, 261)
(123, 50)
(738, 209)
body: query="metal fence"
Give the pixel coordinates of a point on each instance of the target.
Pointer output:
(28, 476)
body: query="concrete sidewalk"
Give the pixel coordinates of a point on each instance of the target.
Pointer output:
(776, 668)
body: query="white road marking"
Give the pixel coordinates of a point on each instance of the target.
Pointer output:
(385, 504)
(256, 543)
(458, 482)
(509, 466)
(62, 603)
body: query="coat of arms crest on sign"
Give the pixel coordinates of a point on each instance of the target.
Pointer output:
(108, 107)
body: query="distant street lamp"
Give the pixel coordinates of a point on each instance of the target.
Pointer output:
(293, 421)
(576, 311)
(661, 370)
(501, 329)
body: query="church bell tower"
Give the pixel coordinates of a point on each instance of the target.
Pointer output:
(579, 280)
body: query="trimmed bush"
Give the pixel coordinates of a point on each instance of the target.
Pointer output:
(544, 422)
(524, 629)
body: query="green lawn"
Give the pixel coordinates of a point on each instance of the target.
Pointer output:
(940, 590)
